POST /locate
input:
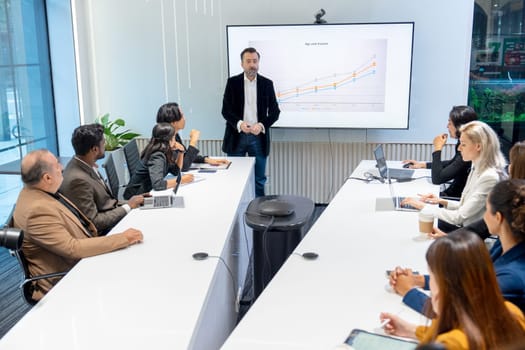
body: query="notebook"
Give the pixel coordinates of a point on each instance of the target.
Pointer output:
(165, 199)
(363, 340)
(385, 172)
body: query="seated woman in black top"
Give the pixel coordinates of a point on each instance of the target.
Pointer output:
(160, 157)
(172, 113)
(455, 169)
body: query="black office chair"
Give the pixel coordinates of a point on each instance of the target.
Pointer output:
(111, 173)
(132, 154)
(12, 239)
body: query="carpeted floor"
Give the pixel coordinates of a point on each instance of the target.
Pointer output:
(12, 304)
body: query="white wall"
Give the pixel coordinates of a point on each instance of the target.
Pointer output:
(138, 54)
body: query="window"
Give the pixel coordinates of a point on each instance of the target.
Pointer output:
(497, 70)
(27, 118)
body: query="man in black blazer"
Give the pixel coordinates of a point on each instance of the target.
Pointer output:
(250, 109)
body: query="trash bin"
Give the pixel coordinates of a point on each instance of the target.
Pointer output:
(275, 236)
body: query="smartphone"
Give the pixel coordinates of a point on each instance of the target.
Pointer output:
(206, 170)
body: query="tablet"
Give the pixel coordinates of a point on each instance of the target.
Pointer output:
(363, 340)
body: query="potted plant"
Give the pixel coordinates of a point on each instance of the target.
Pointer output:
(113, 133)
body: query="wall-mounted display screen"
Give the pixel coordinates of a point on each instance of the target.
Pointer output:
(333, 75)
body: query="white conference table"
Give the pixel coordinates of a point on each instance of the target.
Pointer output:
(154, 295)
(314, 304)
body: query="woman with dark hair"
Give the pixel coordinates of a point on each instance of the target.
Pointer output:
(455, 169)
(470, 310)
(505, 218)
(161, 156)
(517, 161)
(172, 113)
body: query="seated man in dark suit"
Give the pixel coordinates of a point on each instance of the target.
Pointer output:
(56, 234)
(84, 186)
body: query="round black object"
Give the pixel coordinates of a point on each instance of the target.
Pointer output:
(275, 207)
(310, 255)
(11, 238)
(200, 256)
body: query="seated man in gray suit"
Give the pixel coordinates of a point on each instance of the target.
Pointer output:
(56, 234)
(84, 186)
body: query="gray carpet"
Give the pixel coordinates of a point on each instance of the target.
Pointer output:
(12, 305)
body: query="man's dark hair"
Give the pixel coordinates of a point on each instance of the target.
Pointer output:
(85, 137)
(250, 50)
(169, 113)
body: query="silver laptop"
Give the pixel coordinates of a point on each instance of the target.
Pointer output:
(169, 200)
(385, 172)
(392, 203)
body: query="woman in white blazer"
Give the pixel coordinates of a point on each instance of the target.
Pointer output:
(479, 144)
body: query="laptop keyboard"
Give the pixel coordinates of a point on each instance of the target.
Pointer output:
(161, 201)
(399, 172)
(404, 206)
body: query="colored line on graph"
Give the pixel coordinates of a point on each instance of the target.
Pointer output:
(324, 87)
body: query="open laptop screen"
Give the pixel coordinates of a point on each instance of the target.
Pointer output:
(379, 155)
(179, 179)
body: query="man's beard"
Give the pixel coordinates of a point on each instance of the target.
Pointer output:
(251, 73)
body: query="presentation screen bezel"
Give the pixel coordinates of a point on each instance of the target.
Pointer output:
(298, 46)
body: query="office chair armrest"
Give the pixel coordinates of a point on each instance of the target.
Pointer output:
(48, 275)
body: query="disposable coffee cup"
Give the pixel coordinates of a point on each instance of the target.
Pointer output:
(426, 222)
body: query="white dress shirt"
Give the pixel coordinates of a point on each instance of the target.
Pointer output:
(250, 104)
(250, 101)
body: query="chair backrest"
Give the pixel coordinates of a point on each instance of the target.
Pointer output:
(131, 152)
(111, 173)
(27, 286)
(12, 239)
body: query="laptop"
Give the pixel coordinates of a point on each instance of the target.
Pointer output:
(167, 200)
(394, 202)
(385, 172)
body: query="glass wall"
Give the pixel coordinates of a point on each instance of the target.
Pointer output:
(497, 70)
(27, 118)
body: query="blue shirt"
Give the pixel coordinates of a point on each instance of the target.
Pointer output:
(510, 273)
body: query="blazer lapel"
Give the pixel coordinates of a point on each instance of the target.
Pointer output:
(92, 232)
(96, 177)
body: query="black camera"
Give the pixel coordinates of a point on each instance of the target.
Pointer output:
(11, 238)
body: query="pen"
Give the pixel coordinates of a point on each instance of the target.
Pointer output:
(384, 323)
(387, 320)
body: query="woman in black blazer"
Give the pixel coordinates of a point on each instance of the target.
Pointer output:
(171, 113)
(455, 169)
(161, 156)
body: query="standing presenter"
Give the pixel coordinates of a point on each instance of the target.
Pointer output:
(250, 109)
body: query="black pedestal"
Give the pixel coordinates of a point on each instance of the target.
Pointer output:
(275, 237)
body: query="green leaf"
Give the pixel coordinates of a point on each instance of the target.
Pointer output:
(115, 137)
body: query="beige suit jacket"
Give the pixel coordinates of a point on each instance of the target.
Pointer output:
(54, 238)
